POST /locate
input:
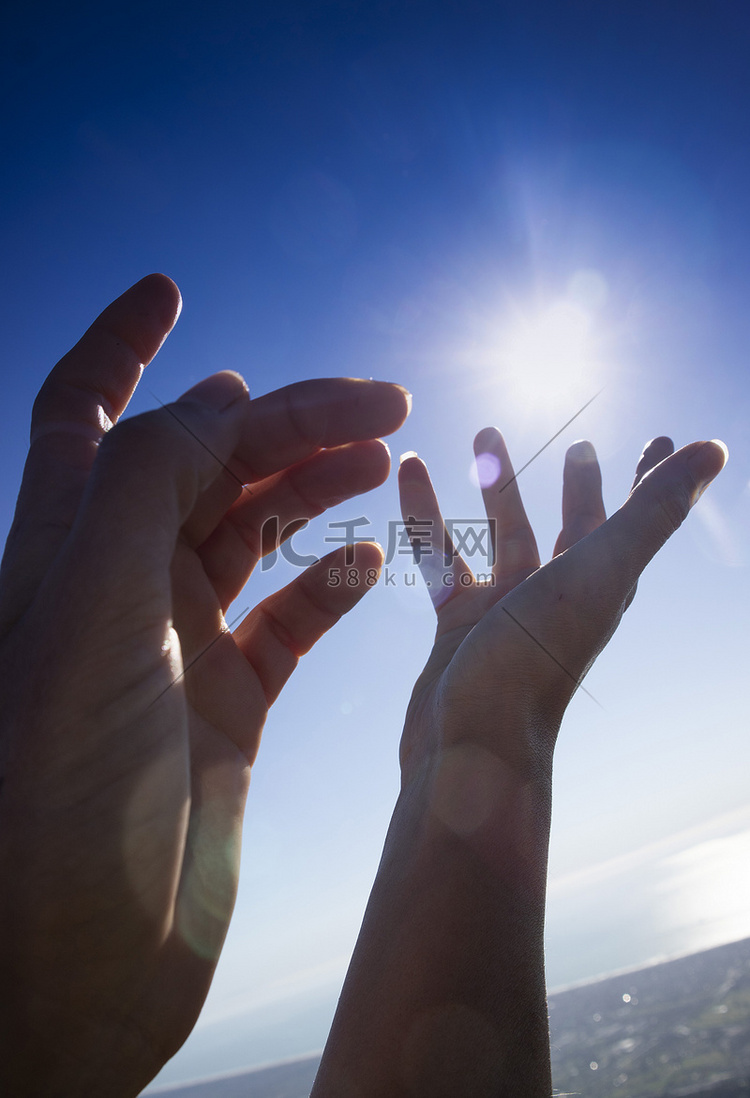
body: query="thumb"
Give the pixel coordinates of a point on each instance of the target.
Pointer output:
(658, 506)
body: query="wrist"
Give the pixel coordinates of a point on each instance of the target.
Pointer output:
(447, 980)
(471, 798)
(511, 742)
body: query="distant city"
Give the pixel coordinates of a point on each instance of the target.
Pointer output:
(680, 1029)
(675, 1030)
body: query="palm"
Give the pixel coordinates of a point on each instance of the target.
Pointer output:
(489, 634)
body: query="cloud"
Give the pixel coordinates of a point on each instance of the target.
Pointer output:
(685, 893)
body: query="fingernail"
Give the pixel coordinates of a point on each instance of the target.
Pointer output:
(724, 449)
(581, 451)
(706, 462)
(407, 454)
(485, 439)
(219, 392)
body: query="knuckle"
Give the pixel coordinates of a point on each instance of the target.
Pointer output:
(61, 402)
(150, 451)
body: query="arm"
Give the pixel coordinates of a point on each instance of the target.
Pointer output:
(445, 995)
(130, 715)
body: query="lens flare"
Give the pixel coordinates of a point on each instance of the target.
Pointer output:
(485, 470)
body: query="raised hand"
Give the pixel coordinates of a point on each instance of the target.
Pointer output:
(130, 714)
(521, 644)
(445, 995)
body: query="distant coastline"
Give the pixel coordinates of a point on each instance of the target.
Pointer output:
(278, 1080)
(677, 1026)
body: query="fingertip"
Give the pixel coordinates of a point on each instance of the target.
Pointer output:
(359, 565)
(163, 296)
(654, 453)
(658, 449)
(378, 456)
(411, 467)
(487, 440)
(369, 554)
(142, 317)
(381, 408)
(402, 401)
(723, 447)
(219, 391)
(581, 452)
(706, 461)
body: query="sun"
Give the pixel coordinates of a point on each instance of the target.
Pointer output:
(543, 356)
(548, 357)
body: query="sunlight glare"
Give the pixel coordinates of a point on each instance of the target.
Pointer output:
(548, 356)
(706, 894)
(719, 533)
(588, 288)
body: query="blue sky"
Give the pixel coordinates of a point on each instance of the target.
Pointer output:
(429, 193)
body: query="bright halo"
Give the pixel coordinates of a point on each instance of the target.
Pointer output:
(547, 358)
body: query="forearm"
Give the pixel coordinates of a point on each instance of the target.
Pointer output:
(445, 994)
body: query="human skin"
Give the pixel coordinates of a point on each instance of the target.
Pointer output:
(130, 719)
(445, 995)
(130, 716)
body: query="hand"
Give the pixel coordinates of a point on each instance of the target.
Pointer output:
(509, 654)
(131, 715)
(445, 994)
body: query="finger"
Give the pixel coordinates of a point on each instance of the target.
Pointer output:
(288, 623)
(273, 509)
(619, 550)
(514, 542)
(583, 506)
(285, 427)
(228, 484)
(444, 572)
(653, 452)
(82, 397)
(572, 606)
